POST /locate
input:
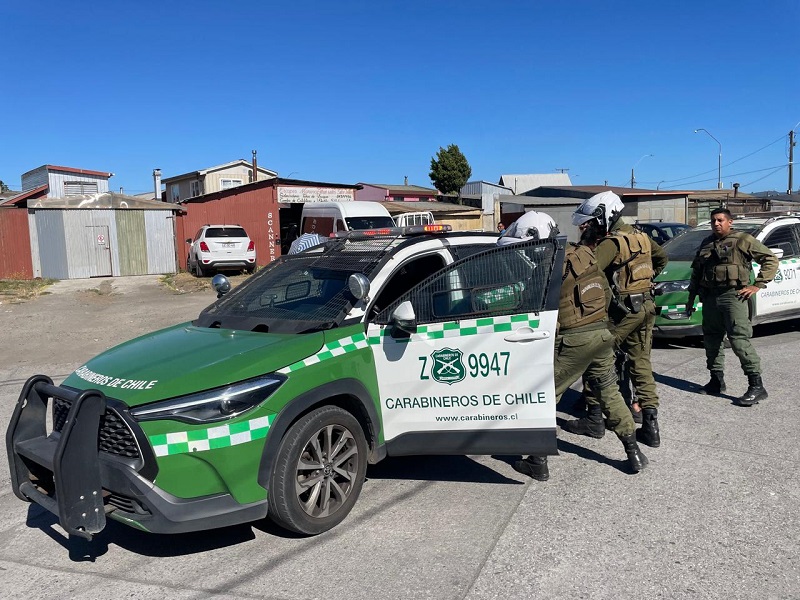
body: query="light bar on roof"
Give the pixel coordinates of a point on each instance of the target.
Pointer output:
(392, 231)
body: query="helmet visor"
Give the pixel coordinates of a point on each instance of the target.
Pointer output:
(578, 218)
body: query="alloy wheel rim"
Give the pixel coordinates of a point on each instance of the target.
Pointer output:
(326, 471)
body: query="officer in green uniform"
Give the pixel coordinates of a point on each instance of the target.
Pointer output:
(721, 275)
(630, 261)
(583, 343)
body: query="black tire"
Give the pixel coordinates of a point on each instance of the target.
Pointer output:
(308, 492)
(199, 270)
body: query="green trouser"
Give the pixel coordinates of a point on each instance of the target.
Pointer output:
(592, 352)
(633, 335)
(724, 313)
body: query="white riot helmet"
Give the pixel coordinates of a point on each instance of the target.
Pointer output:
(606, 207)
(530, 226)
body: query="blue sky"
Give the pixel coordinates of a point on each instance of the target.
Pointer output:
(352, 91)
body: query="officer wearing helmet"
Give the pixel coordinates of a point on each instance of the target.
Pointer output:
(532, 225)
(583, 343)
(629, 261)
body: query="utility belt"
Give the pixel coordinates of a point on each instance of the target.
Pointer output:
(717, 290)
(627, 304)
(584, 328)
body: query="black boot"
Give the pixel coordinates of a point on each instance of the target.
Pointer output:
(533, 466)
(636, 460)
(755, 391)
(592, 424)
(716, 384)
(649, 434)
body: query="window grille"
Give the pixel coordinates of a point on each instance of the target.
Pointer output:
(506, 280)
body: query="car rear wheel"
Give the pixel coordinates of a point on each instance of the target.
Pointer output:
(198, 269)
(319, 471)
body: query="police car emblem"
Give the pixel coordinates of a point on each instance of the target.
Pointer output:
(447, 366)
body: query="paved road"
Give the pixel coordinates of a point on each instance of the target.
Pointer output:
(715, 515)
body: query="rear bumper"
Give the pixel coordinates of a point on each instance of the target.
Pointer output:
(67, 474)
(228, 264)
(677, 331)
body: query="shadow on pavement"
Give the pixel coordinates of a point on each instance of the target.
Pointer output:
(436, 468)
(140, 542)
(569, 447)
(678, 384)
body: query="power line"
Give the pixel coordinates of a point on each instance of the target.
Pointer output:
(773, 168)
(764, 177)
(726, 164)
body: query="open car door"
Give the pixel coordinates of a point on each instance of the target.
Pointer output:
(464, 359)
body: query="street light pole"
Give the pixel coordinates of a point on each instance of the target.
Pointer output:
(719, 157)
(633, 177)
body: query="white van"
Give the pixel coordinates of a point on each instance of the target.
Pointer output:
(414, 218)
(325, 218)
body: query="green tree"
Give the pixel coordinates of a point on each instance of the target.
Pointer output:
(450, 170)
(3, 186)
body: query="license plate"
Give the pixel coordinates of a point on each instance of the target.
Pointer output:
(228, 244)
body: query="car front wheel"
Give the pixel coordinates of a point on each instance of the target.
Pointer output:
(319, 471)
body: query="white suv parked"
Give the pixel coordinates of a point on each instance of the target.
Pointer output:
(221, 247)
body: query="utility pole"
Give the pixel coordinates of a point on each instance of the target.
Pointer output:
(791, 160)
(633, 180)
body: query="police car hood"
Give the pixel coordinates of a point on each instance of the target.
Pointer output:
(185, 359)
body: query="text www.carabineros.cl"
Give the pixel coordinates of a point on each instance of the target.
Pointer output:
(478, 417)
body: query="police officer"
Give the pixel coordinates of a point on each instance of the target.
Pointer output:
(629, 261)
(721, 273)
(583, 343)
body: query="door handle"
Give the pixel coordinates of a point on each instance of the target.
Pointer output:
(526, 334)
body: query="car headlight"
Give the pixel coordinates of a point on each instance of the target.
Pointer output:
(665, 287)
(212, 405)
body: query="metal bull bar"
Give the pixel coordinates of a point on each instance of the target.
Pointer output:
(60, 471)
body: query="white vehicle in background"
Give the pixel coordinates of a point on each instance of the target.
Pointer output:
(325, 218)
(414, 218)
(220, 248)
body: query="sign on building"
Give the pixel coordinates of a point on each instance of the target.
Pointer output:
(289, 195)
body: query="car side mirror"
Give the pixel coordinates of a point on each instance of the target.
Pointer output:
(189, 240)
(777, 252)
(221, 285)
(403, 320)
(358, 284)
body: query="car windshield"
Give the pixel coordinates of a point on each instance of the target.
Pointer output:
(369, 222)
(685, 246)
(299, 293)
(675, 230)
(225, 232)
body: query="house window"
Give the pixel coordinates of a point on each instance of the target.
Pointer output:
(194, 189)
(174, 192)
(226, 184)
(77, 188)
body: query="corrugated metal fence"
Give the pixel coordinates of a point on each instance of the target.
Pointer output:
(81, 243)
(15, 245)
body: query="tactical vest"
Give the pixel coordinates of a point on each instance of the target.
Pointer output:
(633, 267)
(583, 297)
(722, 263)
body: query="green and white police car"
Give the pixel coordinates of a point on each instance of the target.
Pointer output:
(274, 400)
(778, 301)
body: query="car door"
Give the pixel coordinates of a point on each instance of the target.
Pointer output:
(782, 294)
(473, 373)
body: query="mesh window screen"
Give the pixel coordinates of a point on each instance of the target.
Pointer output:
(784, 239)
(506, 280)
(305, 287)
